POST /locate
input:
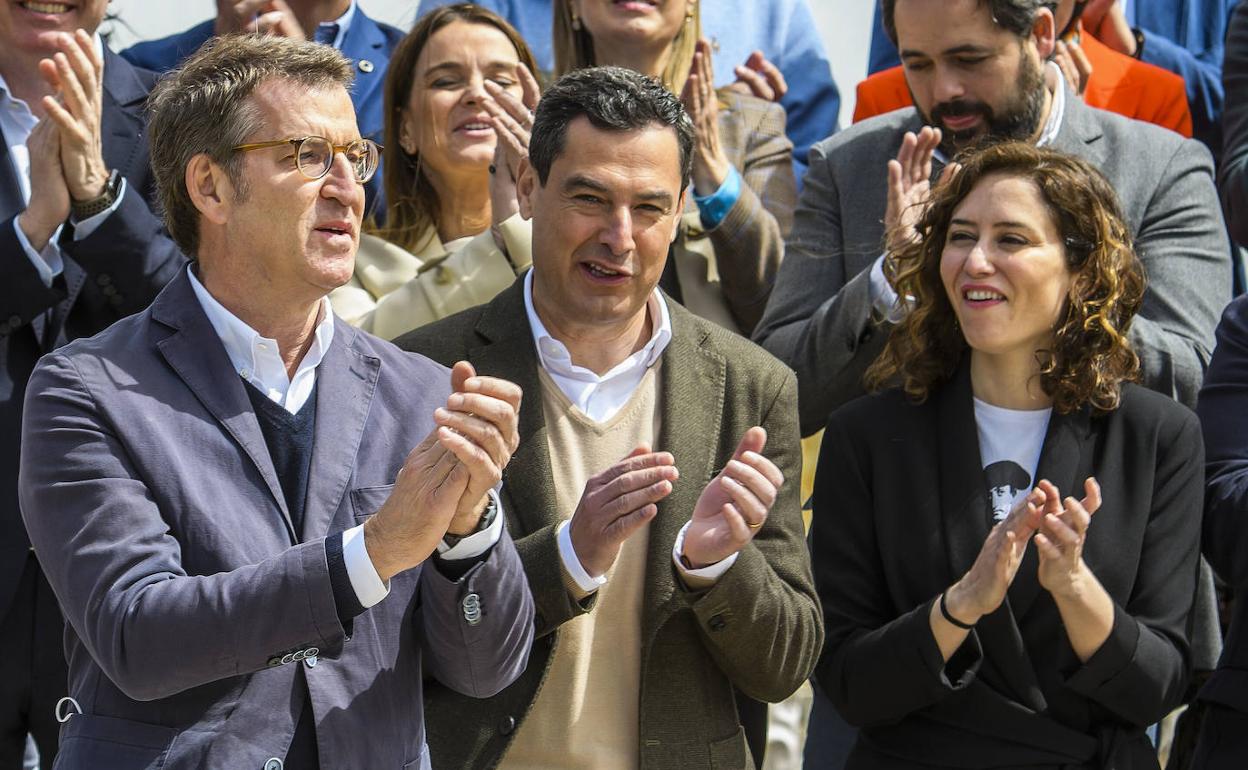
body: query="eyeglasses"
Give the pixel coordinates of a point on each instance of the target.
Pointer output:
(314, 155)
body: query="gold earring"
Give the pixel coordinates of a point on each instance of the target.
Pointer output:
(689, 12)
(576, 22)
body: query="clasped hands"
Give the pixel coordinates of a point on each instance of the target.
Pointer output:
(1058, 527)
(618, 501)
(66, 151)
(444, 483)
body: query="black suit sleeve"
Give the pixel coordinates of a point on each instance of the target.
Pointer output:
(1233, 178)
(878, 665)
(23, 295)
(1223, 411)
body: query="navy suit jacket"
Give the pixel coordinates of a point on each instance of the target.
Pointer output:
(193, 602)
(368, 43)
(114, 272)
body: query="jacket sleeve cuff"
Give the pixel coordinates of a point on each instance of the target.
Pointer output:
(714, 208)
(704, 577)
(365, 582)
(48, 262)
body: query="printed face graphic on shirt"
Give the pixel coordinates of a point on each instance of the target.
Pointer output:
(1008, 484)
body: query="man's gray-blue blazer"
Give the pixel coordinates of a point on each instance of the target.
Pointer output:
(193, 605)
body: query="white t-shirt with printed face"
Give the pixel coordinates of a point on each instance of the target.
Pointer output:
(1010, 441)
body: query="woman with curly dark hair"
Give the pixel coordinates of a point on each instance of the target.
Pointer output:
(1006, 531)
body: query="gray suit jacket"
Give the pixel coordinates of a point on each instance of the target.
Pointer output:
(819, 317)
(149, 493)
(755, 634)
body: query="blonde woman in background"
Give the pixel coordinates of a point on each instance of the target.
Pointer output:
(451, 237)
(741, 205)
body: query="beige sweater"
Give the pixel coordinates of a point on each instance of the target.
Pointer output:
(587, 711)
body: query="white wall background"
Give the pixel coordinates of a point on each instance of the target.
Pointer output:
(844, 24)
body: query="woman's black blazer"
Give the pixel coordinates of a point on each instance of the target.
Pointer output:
(900, 511)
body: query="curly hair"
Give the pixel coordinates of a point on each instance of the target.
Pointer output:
(1090, 356)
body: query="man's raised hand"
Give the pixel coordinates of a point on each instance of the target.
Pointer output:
(735, 504)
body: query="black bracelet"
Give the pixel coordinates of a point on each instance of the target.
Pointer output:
(944, 611)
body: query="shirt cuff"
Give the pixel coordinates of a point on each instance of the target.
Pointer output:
(364, 578)
(884, 298)
(714, 208)
(703, 577)
(572, 564)
(87, 226)
(48, 263)
(477, 543)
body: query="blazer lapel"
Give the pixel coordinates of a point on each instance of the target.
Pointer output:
(195, 353)
(965, 512)
(345, 382)
(1080, 133)
(1065, 460)
(121, 123)
(691, 403)
(508, 352)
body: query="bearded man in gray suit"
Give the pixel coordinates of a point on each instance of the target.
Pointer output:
(976, 69)
(257, 567)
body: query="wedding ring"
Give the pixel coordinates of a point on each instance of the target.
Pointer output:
(754, 526)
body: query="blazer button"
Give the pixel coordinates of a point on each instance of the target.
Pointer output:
(15, 321)
(472, 608)
(507, 725)
(717, 623)
(272, 763)
(104, 279)
(310, 661)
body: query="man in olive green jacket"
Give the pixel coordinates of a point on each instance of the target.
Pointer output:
(672, 587)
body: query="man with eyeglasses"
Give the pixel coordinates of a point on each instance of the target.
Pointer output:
(266, 528)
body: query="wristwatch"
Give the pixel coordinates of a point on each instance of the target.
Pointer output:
(487, 518)
(86, 209)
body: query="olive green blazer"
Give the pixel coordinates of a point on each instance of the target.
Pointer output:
(756, 634)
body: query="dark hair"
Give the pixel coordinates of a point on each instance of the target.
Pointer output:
(411, 201)
(1090, 356)
(613, 99)
(1015, 16)
(204, 107)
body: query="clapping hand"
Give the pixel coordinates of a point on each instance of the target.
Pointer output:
(710, 165)
(266, 17)
(512, 119)
(75, 73)
(49, 198)
(1074, 65)
(443, 484)
(759, 77)
(616, 503)
(1059, 542)
(984, 587)
(734, 506)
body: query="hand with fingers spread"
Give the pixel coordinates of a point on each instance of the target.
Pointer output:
(909, 186)
(1074, 64)
(982, 589)
(266, 17)
(734, 506)
(49, 197)
(1060, 540)
(480, 427)
(616, 503)
(759, 77)
(512, 118)
(710, 165)
(75, 73)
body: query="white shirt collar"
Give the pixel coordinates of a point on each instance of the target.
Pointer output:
(1056, 83)
(257, 359)
(599, 397)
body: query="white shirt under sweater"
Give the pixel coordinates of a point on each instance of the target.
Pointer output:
(599, 398)
(1010, 441)
(258, 361)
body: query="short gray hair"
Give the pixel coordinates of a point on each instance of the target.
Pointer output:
(203, 107)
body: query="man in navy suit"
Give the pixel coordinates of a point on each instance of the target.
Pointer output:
(80, 249)
(340, 23)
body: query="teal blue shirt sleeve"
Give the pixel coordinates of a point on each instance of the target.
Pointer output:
(714, 207)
